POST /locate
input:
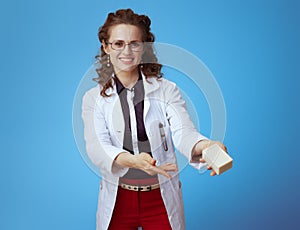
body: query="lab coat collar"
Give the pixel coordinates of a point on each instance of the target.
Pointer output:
(150, 85)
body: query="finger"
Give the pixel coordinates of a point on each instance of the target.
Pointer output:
(169, 167)
(202, 160)
(158, 170)
(153, 162)
(147, 157)
(222, 146)
(213, 173)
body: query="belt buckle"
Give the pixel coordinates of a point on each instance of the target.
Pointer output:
(144, 188)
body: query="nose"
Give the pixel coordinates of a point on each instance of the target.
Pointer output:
(127, 49)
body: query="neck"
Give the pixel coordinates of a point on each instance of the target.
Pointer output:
(128, 78)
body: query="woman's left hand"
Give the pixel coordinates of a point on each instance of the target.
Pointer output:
(200, 146)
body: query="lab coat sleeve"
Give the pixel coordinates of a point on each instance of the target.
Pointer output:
(184, 133)
(98, 143)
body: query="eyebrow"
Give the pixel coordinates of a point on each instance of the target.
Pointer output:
(120, 40)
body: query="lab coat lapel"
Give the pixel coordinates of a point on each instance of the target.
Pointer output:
(150, 85)
(117, 121)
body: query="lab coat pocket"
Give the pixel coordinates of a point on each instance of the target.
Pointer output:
(155, 135)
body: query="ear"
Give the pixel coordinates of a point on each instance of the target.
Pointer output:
(105, 47)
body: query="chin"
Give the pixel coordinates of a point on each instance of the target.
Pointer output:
(127, 68)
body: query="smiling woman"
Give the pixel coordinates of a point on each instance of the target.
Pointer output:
(136, 28)
(124, 59)
(132, 120)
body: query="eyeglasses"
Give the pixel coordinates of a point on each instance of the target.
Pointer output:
(120, 45)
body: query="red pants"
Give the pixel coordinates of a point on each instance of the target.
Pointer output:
(139, 209)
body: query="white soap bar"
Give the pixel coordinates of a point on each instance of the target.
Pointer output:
(217, 158)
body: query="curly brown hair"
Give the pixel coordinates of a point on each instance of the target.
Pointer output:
(150, 67)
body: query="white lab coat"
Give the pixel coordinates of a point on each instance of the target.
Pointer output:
(104, 132)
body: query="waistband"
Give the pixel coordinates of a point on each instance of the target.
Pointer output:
(137, 182)
(139, 188)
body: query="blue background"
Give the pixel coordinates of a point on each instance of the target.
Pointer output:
(251, 47)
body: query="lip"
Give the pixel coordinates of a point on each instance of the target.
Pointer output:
(126, 60)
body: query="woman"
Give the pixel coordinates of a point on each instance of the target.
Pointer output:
(131, 121)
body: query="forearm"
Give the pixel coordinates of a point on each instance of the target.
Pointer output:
(125, 159)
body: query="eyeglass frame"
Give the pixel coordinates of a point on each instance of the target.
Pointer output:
(125, 44)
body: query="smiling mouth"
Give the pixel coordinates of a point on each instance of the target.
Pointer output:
(127, 60)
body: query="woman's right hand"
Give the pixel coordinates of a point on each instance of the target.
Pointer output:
(146, 163)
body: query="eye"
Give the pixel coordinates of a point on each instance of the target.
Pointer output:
(118, 44)
(135, 44)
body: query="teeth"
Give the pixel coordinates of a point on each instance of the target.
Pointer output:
(126, 59)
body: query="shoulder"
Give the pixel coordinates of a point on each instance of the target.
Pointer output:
(171, 92)
(94, 90)
(163, 83)
(92, 95)
(167, 85)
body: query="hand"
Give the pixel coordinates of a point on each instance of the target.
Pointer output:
(201, 145)
(145, 162)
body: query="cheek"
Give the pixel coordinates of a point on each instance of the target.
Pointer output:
(139, 57)
(113, 57)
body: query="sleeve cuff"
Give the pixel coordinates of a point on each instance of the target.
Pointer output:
(118, 171)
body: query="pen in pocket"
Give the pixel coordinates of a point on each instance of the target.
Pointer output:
(163, 136)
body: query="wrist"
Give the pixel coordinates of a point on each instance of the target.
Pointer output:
(199, 147)
(124, 159)
(132, 161)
